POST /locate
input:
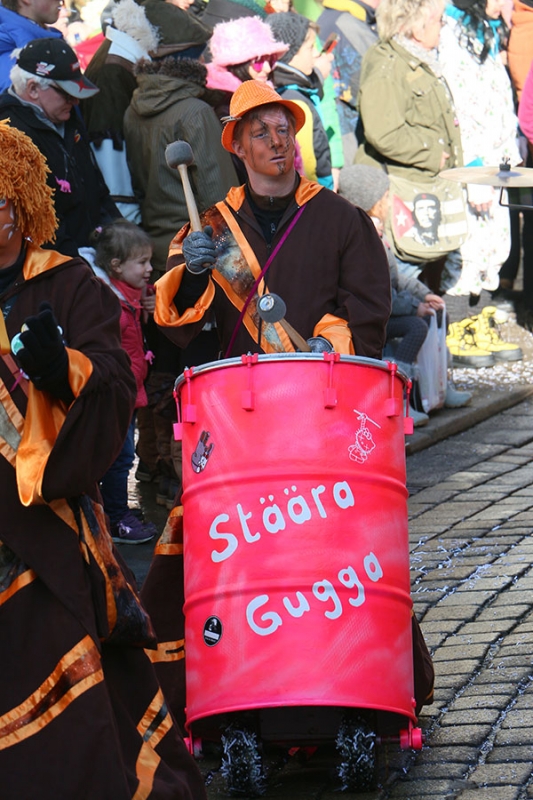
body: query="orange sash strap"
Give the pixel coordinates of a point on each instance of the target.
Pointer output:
(236, 272)
(5, 346)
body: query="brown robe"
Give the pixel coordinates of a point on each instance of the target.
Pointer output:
(81, 712)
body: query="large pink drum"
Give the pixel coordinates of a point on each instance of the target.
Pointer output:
(295, 529)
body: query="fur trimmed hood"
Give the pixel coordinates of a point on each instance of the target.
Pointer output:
(183, 68)
(162, 84)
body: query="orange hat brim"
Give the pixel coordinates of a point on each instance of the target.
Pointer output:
(228, 129)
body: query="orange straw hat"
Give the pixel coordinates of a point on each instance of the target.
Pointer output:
(252, 94)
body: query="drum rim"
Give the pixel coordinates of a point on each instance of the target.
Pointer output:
(225, 363)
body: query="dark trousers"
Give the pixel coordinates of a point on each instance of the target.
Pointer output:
(412, 332)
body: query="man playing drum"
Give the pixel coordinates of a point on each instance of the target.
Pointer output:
(278, 233)
(322, 255)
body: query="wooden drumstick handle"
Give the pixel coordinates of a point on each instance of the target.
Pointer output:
(296, 338)
(192, 208)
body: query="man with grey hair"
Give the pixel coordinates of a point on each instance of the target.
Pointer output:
(47, 85)
(21, 21)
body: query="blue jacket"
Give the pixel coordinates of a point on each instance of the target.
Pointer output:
(16, 31)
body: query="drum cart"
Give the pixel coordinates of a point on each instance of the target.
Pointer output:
(296, 560)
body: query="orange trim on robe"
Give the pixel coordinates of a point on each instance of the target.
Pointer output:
(5, 344)
(306, 191)
(167, 287)
(154, 725)
(38, 260)
(44, 419)
(171, 540)
(167, 651)
(22, 580)
(336, 330)
(77, 672)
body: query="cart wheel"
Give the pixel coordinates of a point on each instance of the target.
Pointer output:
(356, 743)
(242, 765)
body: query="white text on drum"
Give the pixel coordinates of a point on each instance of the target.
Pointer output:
(322, 590)
(298, 510)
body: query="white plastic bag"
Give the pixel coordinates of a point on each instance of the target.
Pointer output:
(432, 361)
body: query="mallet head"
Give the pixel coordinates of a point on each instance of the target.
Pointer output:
(271, 308)
(179, 153)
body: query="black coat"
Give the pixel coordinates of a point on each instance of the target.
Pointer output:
(81, 197)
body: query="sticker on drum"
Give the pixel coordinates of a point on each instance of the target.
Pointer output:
(202, 452)
(364, 443)
(212, 631)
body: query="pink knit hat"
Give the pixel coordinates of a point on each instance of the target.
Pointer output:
(241, 40)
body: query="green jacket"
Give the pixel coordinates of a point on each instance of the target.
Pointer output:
(407, 115)
(167, 105)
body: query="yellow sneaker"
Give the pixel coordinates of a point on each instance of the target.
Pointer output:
(464, 350)
(486, 335)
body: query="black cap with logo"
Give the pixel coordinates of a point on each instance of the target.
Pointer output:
(56, 60)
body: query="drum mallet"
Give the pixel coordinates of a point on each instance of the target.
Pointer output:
(271, 308)
(179, 156)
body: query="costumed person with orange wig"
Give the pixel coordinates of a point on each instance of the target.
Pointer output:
(81, 711)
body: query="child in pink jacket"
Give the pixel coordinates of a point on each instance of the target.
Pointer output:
(122, 259)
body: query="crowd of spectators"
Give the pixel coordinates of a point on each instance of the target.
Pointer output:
(410, 87)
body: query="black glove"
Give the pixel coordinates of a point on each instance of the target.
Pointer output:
(199, 250)
(319, 345)
(43, 356)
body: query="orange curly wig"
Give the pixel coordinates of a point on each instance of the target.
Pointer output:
(23, 172)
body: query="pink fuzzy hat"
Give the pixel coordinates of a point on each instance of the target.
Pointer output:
(243, 39)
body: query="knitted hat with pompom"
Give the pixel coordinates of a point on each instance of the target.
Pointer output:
(243, 39)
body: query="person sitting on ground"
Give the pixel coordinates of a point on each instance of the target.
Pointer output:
(82, 712)
(412, 301)
(47, 85)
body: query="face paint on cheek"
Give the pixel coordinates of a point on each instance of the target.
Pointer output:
(9, 226)
(288, 146)
(252, 158)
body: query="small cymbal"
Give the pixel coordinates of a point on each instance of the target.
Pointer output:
(491, 176)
